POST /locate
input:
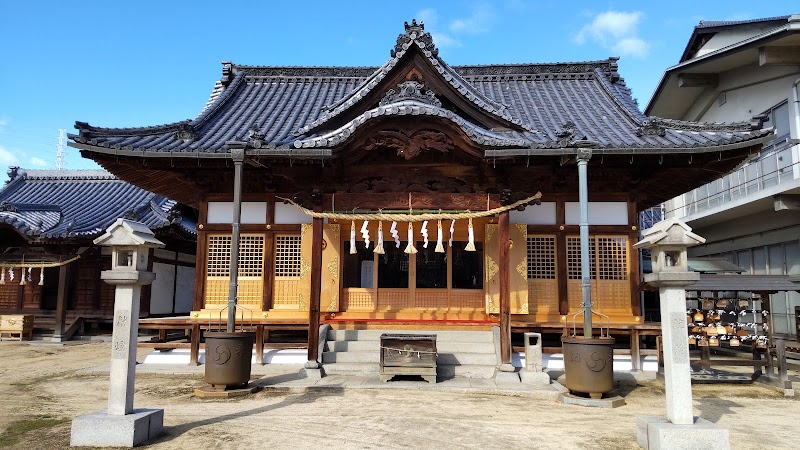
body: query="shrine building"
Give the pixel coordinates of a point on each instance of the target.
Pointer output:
(408, 194)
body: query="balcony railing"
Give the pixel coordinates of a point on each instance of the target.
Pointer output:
(773, 167)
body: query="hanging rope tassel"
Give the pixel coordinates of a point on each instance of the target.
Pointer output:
(410, 247)
(379, 246)
(365, 233)
(41, 276)
(353, 237)
(439, 246)
(2, 275)
(471, 244)
(424, 232)
(452, 229)
(22, 277)
(395, 234)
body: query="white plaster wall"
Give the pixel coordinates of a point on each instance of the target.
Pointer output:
(544, 214)
(289, 214)
(252, 212)
(163, 289)
(600, 213)
(184, 289)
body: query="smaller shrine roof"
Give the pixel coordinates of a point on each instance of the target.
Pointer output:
(62, 204)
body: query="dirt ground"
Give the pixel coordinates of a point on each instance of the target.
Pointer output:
(40, 393)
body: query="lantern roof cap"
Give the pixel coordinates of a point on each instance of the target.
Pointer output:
(126, 232)
(672, 232)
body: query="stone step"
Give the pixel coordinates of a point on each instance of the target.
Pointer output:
(442, 370)
(441, 336)
(486, 359)
(441, 346)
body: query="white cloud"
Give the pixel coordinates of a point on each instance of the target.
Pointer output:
(617, 31)
(39, 162)
(480, 20)
(430, 17)
(7, 158)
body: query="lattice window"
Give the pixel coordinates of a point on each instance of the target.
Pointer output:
(287, 256)
(542, 257)
(613, 258)
(219, 256)
(608, 257)
(574, 257)
(251, 255)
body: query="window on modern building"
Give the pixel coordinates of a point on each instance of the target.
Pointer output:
(467, 267)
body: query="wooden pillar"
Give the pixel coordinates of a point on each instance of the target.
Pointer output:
(316, 290)
(200, 259)
(61, 301)
(268, 270)
(505, 289)
(561, 258)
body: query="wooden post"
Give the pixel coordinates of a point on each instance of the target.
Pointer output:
(194, 349)
(636, 362)
(61, 302)
(316, 290)
(505, 289)
(260, 343)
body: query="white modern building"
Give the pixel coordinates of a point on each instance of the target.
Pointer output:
(734, 71)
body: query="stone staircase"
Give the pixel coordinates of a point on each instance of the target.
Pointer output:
(470, 354)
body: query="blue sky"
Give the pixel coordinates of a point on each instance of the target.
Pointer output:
(148, 62)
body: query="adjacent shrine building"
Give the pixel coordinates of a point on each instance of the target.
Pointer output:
(369, 148)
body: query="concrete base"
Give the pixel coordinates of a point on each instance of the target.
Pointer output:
(210, 392)
(610, 402)
(314, 374)
(534, 377)
(101, 429)
(506, 377)
(655, 432)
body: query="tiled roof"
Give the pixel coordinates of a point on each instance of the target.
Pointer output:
(50, 204)
(725, 23)
(547, 106)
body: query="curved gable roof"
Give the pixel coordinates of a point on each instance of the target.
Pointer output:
(285, 111)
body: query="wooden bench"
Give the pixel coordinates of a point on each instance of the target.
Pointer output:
(20, 325)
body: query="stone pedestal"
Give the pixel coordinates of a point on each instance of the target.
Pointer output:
(656, 432)
(101, 429)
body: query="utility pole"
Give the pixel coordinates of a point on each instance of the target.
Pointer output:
(60, 151)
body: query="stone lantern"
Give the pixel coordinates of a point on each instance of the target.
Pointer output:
(667, 242)
(121, 425)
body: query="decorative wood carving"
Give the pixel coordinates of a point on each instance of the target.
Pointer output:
(410, 145)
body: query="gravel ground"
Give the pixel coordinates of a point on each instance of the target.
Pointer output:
(42, 389)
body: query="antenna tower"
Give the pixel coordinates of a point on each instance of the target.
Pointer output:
(60, 151)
